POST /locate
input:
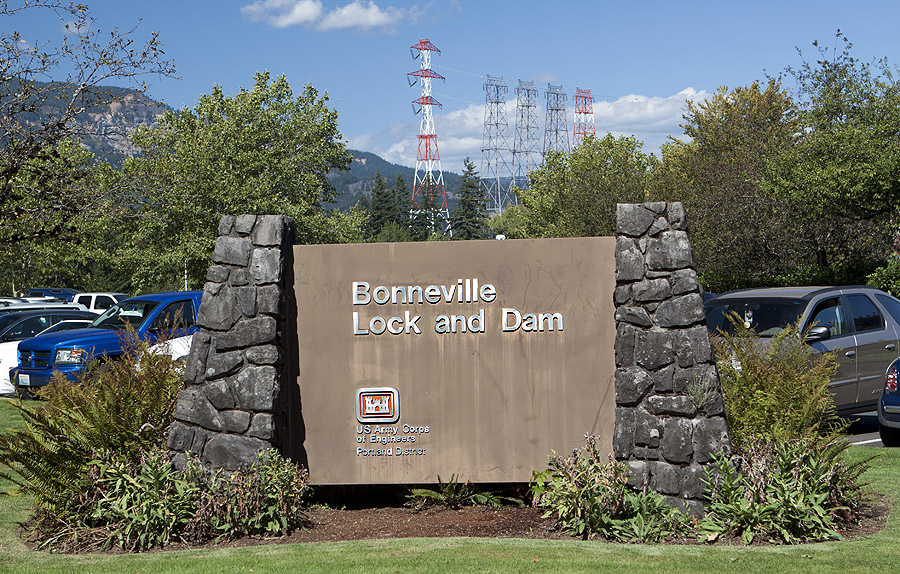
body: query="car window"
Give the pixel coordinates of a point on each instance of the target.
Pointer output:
(179, 313)
(132, 313)
(764, 316)
(864, 313)
(104, 302)
(829, 313)
(891, 304)
(84, 300)
(27, 328)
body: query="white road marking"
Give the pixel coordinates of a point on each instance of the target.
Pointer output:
(862, 442)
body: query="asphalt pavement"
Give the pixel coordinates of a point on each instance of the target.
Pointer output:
(864, 429)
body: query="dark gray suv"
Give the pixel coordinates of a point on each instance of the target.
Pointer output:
(861, 323)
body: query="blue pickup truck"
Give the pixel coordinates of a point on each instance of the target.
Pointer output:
(69, 352)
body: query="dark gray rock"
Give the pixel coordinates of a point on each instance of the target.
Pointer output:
(635, 315)
(632, 383)
(671, 250)
(239, 277)
(647, 429)
(629, 260)
(638, 474)
(663, 379)
(624, 345)
(623, 435)
(677, 444)
(248, 332)
(681, 311)
(232, 452)
(268, 300)
(219, 312)
(269, 231)
(243, 224)
(218, 274)
(262, 426)
(180, 437)
(246, 300)
(659, 225)
(633, 219)
(653, 349)
(263, 355)
(645, 453)
(226, 224)
(219, 365)
(196, 362)
(254, 388)
(622, 295)
(665, 478)
(219, 395)
(676, 216)
(232, 251)
(678, 405)
(657, 207)
(692, 482)
(265, 265)
(192, 406)
(710, 437)
(692, 346)
(236, 421)
(651, 290)
(685, 281)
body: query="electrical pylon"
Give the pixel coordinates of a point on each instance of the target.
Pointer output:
(584, 116)
(556, 131)
(496, 174)
(526, 145)
(429, 178)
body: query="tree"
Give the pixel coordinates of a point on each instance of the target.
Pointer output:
(846, 160)
(45, 89)
(383, 205)
(262, 151)
(468, 218)
(576, 195)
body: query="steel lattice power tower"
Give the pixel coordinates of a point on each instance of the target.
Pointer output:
(527, 144)
(496, 174)
(556, 131)
(429, 178)
(584, 116)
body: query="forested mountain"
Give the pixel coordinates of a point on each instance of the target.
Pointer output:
(358, 180)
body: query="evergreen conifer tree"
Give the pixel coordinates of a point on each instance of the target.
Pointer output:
(468, 219)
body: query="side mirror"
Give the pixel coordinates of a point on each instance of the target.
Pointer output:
(817, 333)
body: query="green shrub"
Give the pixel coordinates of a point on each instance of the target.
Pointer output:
(454, 494)
(267, 499)
(776, 387)
(887, 277)
(116, 407)
(787, 491)
(589, 496)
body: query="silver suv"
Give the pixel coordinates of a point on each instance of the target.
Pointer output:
(862, 324)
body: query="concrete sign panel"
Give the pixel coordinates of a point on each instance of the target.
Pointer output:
(474, 358)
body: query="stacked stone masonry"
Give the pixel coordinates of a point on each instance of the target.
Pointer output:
(670, 417)
(232, 405)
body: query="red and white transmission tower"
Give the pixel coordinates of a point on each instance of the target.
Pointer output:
(584, 115)
(429, 178)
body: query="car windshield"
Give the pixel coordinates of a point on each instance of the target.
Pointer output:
(765, 317)
(132, 313)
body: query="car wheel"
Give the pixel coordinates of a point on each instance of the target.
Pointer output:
(24, 395)
(889, 436)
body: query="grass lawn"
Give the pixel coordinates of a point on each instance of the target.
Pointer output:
(876, 553)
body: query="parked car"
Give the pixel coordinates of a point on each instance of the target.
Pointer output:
(99, 302)
(16, 327)
(19, 307)
(160, 315)
(861, 324)
(64, 293)
(889, 407)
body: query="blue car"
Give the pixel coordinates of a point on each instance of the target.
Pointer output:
(889, 407)
(69, 352)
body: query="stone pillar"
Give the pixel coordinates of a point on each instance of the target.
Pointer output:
(236, 399)
(670, 416)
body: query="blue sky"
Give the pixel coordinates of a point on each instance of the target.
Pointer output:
(641, 60)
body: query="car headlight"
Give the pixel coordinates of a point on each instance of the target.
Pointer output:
(69, 356)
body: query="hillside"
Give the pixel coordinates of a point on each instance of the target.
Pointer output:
(350, 185)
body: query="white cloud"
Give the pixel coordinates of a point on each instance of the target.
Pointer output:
(311, 13)
(283, 13)
(650, 119)
(356, 15)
